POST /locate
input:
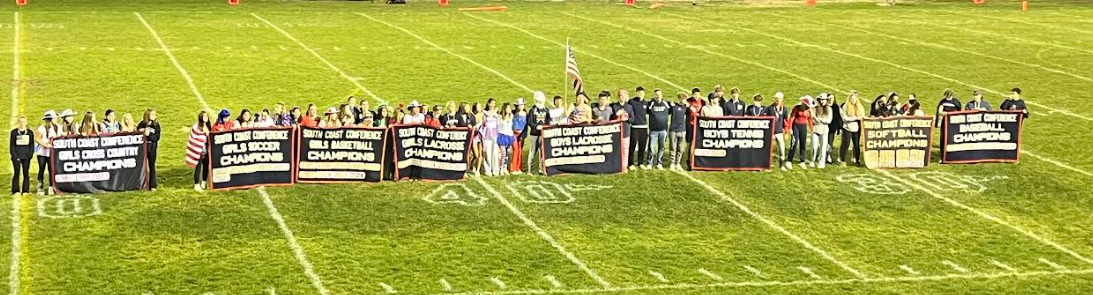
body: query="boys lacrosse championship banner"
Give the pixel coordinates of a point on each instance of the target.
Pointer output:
(340, 155)
(982, 136)
(425, 152)
(248, 158)
(587, 149)
(732, 143)
(106, 163)
(897, 142)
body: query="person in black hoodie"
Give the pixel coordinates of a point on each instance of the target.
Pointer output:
(21, 146)
(834, 129)
(538, 116)
(678, 129)
(660, 112)
(733, 106)
(639, 128)
(757, 108)
(1015, 102)
(948, 104)
(151, 129)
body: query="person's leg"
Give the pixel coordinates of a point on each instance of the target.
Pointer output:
(801, 132)
(533, 151)
(830, 143)
(792, 145)
(654, 137)
(822, 153)
(516, 155)
(25, 163)
(643, 143)
(856, 138)
(816, 142)
(41, 173)
(491, 150)
(780, 149)
(661, 145)
(844, 144)
(152, 153)
(503, 160)
(15, 176)
(674, 144)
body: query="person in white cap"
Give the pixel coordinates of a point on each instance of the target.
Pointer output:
(821, 120)
(331, 120)
(68, 123)
(415, 116)
(44, 147)
(780, 113)
(538, 116)
(519, 123)
(801, 120)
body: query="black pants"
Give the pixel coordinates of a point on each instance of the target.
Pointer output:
(201, 171)
(153, 151)
(800, 140)
(848, 138)
(834, 131)
(21, 167)
(43, 171)
(639, 145)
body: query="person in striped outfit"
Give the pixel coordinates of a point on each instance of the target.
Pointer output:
(196, 153)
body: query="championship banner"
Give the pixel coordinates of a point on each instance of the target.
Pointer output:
(588, 149)
(253, 157)
(103, 163)
(897, 142)
(425, 152)
(345, 154)
(982, 136)
(732, 143)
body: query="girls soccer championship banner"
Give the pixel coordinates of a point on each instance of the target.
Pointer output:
(589, 149)
(425, 152)
(897, 142)
(246, 158)
(103, 163)
(340, 155)
(732, 143)
(982, 136)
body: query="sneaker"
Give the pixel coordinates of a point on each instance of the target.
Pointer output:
(517, 172)
(822, 165)
(803, 166)
(646, 167)
(660, 167)
(52, 192)
(783, 167)
(811, 164)
(632, 167)
(41, 192)
(197, 187)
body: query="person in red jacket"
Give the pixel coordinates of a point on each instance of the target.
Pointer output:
(801, 120)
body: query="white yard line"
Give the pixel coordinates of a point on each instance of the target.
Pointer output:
(544, 235)
(1003, 266)
(182, 71)
(16, 47)
(1007, 37)
(351, 79)
(16, 244)
(297, 251)
(710, 274)
(773, 225)
(955, 266)
(441, 48)
(1057, 163)
(1052, 264)
(984, 215)
(537, 36)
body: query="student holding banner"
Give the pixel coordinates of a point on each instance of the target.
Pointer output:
(89, 125)
(151, 129)
(977, 103)
(948, 104)
(110, 122)
(678, 130)
(245, 120)
(756, 108)
(602, 112)
(21, 147)
(537, 117)
(331, 120)
(1015, 103)
(779, 112)
(196, 150)
(127, 123)
(582, 113)
(734, 106)
(44, 148)
(801, 120)
(852, 113)
(879, 107)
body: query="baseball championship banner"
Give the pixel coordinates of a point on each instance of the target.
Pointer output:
(246, 158)
(102, 163)
(344, 154)
(732, 143)
(982, 136)
(897, 142)
(425, 152)
(588, 149)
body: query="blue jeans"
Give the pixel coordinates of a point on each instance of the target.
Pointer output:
(656, 147)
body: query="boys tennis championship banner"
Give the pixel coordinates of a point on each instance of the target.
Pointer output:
(589, 149)
(732, 143)
(106, 163)
(425, 152)
(345, 154)
(246, 158)
(897, 142)
(982, 136)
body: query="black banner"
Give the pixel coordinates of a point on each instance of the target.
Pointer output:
(106, 163)
(589, 149)
(344, 154)
(897, 142)
(424, 152)
(982, 136)
(732, 143)
(247, 158)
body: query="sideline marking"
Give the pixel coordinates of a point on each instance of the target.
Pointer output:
(753, 270)
(1052, 264)
(1003, 266)
(773, 225)
(707, 273)
(16, 243)
(297, 251)
(553, 281)
(500, 284)
(171, 56)
(1057, 163)
(659, 276)
(909, 270)
(445, 285)
(388, 289)
(16, 82)
(955, 266)
(544, 235)
(808, 271)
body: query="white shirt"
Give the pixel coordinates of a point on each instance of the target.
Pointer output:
(38, 149)
(413, 119)
(557, 116)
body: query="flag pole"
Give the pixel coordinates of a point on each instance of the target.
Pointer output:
(565, 72)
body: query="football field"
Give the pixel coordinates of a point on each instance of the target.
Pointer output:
(949, 229)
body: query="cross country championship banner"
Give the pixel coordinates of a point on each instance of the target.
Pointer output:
(732, 143)
(425, 152)
(982, 136)
(248, 158)
(340, 155)
(103, 163)
(587, 149)
(897, 142)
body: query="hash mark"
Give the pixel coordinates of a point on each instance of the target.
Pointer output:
(553, 281)
(1052, 264)
(500, 284)
(444, 284)
(388, 289)
(707, 273)
(908, 269)
(659, 276)
(1003, 265)
(808, 271)
(955, 266)
(753, 270)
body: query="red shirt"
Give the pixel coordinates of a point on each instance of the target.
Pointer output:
(308, 121)
(801, 115)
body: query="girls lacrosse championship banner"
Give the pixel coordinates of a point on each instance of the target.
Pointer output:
(425, 152)
(588, 149)
(732, 143)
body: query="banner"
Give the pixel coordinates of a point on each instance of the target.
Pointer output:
(247, 158)
(424, 152)
(104, 163)
(982, 136)
(345, 154)
(732, 143)
(590, 149)
(897, 142)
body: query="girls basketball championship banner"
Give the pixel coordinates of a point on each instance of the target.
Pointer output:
(897, 142)
(103, 163)
(982, 136)
(732, 143)
(425, 152)
(246, 158)
(588, 149)
(346, 154)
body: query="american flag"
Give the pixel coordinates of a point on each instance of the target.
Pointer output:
(571, 69)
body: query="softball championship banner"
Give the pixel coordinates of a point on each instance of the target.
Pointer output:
(982, 136)
(425, 152)
(106, 163)
(897, 142)
(589, 149)
(247, 158)
(340, 155)
(732, 143)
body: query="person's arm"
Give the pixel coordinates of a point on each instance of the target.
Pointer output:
(11, 143)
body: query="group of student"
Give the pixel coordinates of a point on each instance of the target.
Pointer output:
(26, 143)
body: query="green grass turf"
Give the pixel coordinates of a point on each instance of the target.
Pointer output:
(90, 55)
